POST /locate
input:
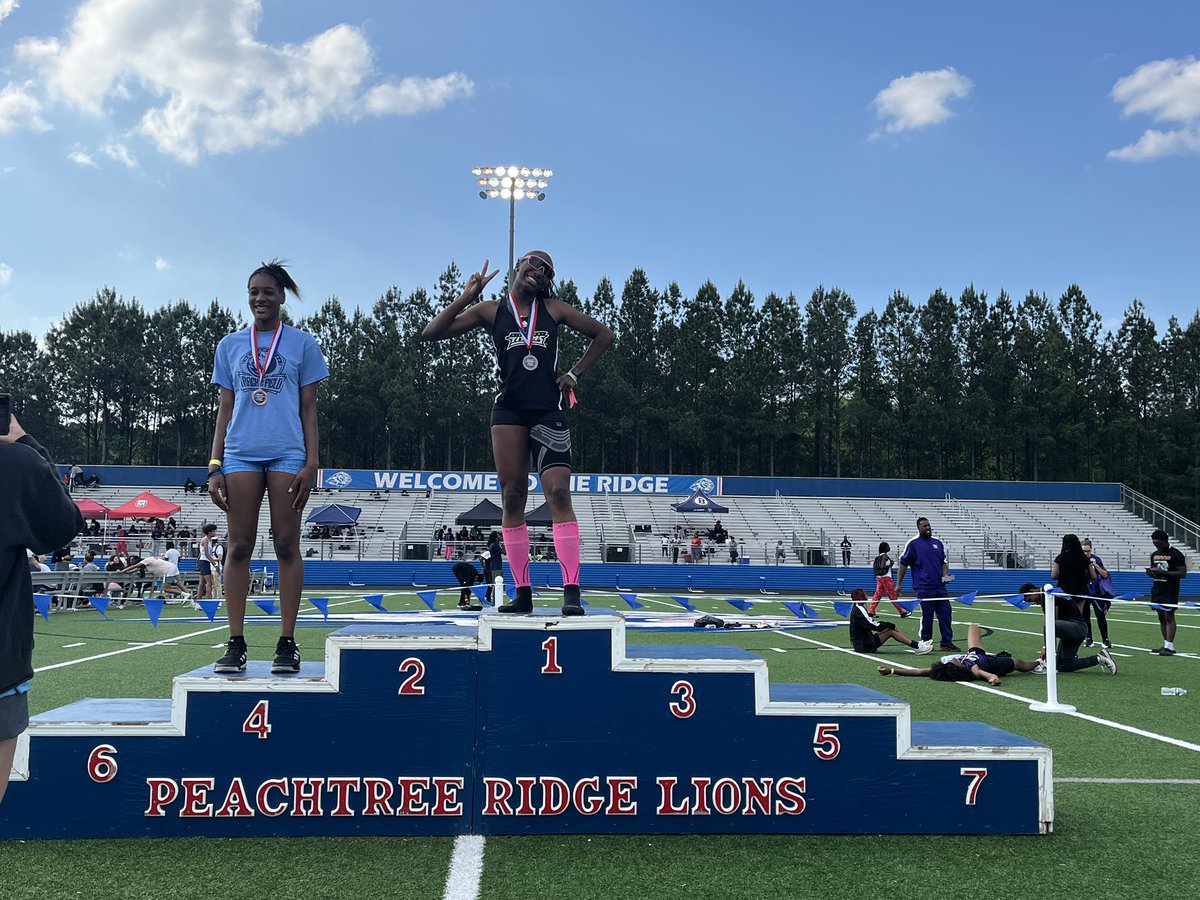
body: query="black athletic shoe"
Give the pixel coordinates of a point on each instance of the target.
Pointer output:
(234, 660)
(1164, 651)
(571, 605)
(287, 657)
(951, 648)
(522, 603)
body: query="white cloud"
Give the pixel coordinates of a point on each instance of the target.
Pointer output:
(6, 274)
(417, 95)
(81, 158)
(20, 109)
(6, 7)
(1168, 90)
(216, 88)
(120, 153)
(161, 264)
(919, 100)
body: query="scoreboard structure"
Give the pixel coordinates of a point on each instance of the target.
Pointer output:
(536, 724)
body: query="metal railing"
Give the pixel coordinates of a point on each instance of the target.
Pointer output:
(1182, 529)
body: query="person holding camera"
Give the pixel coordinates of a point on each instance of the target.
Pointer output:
(36, 512)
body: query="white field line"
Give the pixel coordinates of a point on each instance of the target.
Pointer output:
(1127, 780)
(466, 868)
(172, 641)
(1108, 723)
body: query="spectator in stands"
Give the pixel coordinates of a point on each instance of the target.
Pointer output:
(1100, 593)
(493, 565)
(530, 421)
(265, 443)
(120, 549)
(666, 547)
(675, 548)
(76, 475)
(867, 633)
(36, 514)
(1070, 631)
(92, 480)
(973, 665)
(846, 548)
(93, 588)
(94, 528)
(467, 575)
(1166, 570)
(189, 486)
(883, 580)
(780, 553)
(733, 551)
(930, 565)
(697, 545)
(37, 561)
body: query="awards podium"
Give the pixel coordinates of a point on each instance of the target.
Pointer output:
(530, 724)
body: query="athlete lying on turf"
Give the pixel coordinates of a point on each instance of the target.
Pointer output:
(974, 664)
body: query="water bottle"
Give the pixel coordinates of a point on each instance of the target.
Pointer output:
(1173, 691)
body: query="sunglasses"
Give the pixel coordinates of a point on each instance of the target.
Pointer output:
(540, 264)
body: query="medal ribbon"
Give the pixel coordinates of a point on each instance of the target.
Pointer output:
(266, 365)
(526, 336)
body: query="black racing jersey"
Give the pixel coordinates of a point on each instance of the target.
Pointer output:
(527, 377)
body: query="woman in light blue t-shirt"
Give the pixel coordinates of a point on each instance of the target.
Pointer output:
(265, 442)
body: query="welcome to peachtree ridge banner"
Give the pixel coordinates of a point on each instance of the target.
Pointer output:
(489, 483)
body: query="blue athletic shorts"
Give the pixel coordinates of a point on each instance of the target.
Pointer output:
(290, 464)
(204, 567)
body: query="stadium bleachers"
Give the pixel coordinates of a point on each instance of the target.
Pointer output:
(978, 533)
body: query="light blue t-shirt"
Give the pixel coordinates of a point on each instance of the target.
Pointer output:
(274, 430)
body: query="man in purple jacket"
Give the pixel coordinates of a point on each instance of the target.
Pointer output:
(926, 556)
(36, 512)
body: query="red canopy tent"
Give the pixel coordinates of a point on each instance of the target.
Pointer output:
(90, 509)
(144, 506)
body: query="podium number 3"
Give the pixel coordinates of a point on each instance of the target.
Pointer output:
(686, 704)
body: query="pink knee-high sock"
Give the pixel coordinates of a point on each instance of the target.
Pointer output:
(516, 548)
(566, 545)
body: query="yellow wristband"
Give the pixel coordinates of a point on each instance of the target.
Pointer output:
(215, 462)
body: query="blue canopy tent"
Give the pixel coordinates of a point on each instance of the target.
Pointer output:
(699, 502)
(334, 514)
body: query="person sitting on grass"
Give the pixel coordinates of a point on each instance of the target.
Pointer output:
(867, 633)
(972, 665)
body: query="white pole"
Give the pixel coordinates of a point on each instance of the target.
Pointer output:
(1051, 704)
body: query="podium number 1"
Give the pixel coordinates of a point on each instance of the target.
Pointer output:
(550, 645)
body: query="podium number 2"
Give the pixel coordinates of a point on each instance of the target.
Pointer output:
(825, 741)
(976, 776)
(416, 671)
(550, 645)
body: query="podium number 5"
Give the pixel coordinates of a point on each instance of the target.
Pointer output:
(825, 741)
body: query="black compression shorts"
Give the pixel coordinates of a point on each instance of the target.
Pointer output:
(549, 434)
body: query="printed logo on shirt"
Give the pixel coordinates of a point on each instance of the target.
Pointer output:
(247, 375)
(514, 339)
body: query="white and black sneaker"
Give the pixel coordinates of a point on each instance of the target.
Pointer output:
(287, 657)
(1109, 664)
(234, 660)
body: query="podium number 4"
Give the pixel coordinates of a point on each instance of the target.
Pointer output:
(256, 722)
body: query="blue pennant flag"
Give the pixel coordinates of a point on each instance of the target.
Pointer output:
(427, 597)
(907, 605)
(967, 599)
(209, 608)
(631, 599)
(376, 600)
(743, 605)
(269, 606)
(511, 592)
(1188, 603)
(322, 605)
(1127, 597)
(154, 609)
(480, 592)
(1018, 600)
(801, 611)
(685, 603)
(42, 602)
(101, 604)
(842, 608)
(1162, 608)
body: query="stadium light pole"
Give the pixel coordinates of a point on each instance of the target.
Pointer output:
(511, 183)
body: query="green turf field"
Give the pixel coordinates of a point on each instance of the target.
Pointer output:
(1130, 833)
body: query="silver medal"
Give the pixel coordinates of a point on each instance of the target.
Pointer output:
(259, 397)
(530, 363)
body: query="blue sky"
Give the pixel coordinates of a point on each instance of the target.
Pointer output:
(165, 148)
